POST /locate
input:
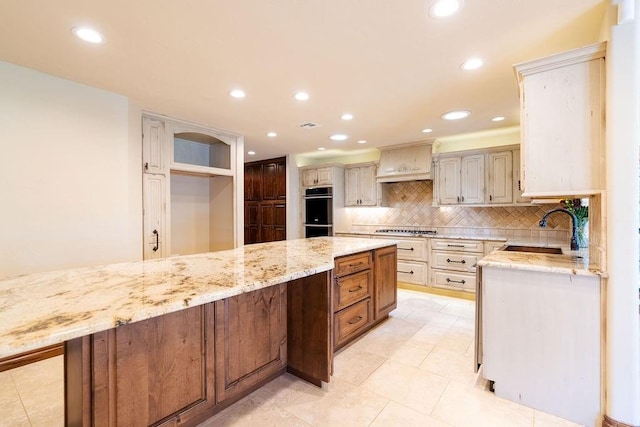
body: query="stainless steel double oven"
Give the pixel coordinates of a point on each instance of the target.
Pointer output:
(318, 208)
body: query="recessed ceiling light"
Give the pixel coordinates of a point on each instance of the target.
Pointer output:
(456, 115)
(427, 130)
(442, 8)
(251, 153)
(472, 64)
(362, 141)
(272, 134)
(301, 96)
(338, 137)
(497, 119)
(238, 93)
(347, 116)
(88, 34)
(321, 148)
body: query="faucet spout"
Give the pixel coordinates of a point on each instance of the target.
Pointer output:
(574, 225)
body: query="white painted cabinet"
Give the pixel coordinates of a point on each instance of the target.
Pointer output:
(154, 190)
(461, 180)
(518, 198)
(360, 185)
(500, 177)
(153, 146)
(562, 99)
(317, 177)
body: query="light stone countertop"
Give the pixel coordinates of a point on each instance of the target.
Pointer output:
(42, 309)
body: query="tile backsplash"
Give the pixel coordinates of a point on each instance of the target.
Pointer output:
(410, 206)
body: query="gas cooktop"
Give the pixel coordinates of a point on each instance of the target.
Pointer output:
(398, 232)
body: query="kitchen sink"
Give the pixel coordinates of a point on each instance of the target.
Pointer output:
(534, 249)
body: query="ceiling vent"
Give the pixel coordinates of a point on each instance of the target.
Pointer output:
(309, 125)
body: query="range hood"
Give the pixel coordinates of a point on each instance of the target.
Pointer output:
(406, 162)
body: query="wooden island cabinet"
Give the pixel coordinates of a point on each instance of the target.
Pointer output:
(181, 368)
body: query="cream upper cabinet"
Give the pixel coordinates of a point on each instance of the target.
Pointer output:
(360, 185)
(317, 176)
(500, 177)
(472, 179)
(517, 182)
(562, 100)
(461, 180)
(153, 146)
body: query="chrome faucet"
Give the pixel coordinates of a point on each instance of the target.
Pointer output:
(574, 223)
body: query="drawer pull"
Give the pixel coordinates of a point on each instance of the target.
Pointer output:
(462, 282)
(355, 320)
(459, 262)
(405, 249)
(455, 246)
(355, 288)
(405, 272)
(355, 265)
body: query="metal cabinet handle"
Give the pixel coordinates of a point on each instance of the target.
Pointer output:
(405, 272)
(355, 320)
(155, 248)
(146, 166)
(455, 246)
(490, 198)
(405, 249)
(462, 282)
(459, 262)
(355, 289)
(462, 198)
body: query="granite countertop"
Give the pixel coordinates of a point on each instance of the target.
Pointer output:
(570, 262)
(42, 309)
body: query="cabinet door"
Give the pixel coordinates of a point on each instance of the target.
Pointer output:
(385, 282)
(266, 222)
(500, 185)
(154, 191)
(324, 176)
(368, 186)
(563, 129)
(280, 221)
(251, 222)
(472, 179)
(250, 339)
(269, 181)
(253, 182)
(309, 177)
(147, 372)
(351, 179)
(153, 146)
(449, 180)
(517, 183)
(281, 180)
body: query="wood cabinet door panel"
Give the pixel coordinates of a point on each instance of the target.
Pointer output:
(153, 371)
(353, 263)
(472, 179)
(368, 186)
(500, 175)
(251, 339)
(351, 186)
(386, 285)
(449, 181)
(153, 146)
(269, 174)
(349, 322)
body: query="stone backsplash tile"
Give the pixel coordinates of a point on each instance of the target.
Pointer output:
(410, 206)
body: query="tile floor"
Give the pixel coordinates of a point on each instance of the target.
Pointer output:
(415, 369)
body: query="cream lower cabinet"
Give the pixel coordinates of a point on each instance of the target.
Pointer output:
(360, 185)
(453, 263)
(413, 255)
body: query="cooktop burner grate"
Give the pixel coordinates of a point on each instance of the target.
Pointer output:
(407, 232)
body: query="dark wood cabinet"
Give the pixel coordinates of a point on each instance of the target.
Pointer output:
(250, 339)
(265, 192)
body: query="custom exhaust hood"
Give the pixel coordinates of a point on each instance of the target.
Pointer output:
(406, 162)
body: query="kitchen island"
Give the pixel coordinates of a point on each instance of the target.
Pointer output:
(172, 341)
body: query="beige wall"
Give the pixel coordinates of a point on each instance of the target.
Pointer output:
(69, 174)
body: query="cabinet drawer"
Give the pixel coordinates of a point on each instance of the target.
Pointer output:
(454, 280)
(353, 263)
(412, 249)
(412, 272)
(352, 288)
(348, 322)
(457, 245)
(455, 261)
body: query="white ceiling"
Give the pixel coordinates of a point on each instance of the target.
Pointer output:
(390, 64)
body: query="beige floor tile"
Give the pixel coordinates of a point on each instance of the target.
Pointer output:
(456, 340)
(243, 414)
(338, 404)
(11, 409)
(431, 334)
(395, 414)
(434, 318)
(35, 375)
(541, 419)
(450, 364)
(354, 365)
(395, 326)
(471, 405)
(460, 308)
(407, 385)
